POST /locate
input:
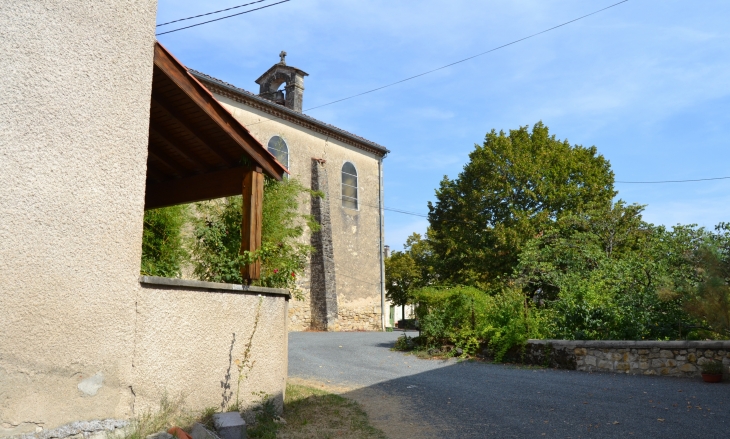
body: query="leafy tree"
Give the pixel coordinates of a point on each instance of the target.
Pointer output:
(283, 256)
(419, 249)
(401, 276)
(514, 186)
(163, 247)
(606, 274)
(711, 299)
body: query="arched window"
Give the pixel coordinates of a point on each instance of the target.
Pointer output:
(349, 186)
(278, 147)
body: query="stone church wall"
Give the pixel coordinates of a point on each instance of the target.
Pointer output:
(355, 234)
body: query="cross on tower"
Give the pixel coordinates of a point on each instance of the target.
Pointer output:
(282, 55)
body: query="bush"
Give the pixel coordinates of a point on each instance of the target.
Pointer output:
(163, 249)
(470, 318)
(283, 257)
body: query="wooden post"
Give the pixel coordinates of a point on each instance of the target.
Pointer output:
(252, 209)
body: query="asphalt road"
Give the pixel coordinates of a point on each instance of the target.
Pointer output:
(476, 400)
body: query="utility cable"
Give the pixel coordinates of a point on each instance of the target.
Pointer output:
(223, 18)
(210, 13)
(469, 58)
(671, 181)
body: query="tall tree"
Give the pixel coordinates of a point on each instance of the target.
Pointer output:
(401, 277)
(512, 188)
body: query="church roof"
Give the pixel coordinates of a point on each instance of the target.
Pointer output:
(230, 91)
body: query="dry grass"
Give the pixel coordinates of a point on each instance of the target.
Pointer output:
(170, 413)
(318, 414)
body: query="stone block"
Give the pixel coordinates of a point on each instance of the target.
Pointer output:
(683, 352)
(590, 360)
(688, 368)
(671, 363)
(579, 351)
(200, 432)
(691, 357)
(616, 356)
(230, 425)
(624, 367)
(643, 351)
(654, 355)
(606, 365)
(709, 354)
(650, 372)
(655, 350)
(664, 371)
(643, 365)
(657, 363)
(666, 354)
(721, 353)
(692, 350)
(681, 358)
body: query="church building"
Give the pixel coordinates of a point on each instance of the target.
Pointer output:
(344, 283)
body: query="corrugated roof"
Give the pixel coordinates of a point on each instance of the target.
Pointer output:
(246, 97)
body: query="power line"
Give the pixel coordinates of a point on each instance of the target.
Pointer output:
(223, 18)
(469, 58)
(210, 13)
(672, 181)
(337, 273)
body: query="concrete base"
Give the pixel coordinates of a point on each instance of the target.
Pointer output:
(230, 425)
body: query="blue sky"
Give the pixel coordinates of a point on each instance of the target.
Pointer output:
(646, 82)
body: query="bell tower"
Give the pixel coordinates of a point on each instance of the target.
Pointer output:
(292, 95)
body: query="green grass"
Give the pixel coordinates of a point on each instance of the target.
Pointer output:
(317, 414)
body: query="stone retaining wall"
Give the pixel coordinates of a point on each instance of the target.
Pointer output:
(669, 358)
(368, 319)
(358, 320)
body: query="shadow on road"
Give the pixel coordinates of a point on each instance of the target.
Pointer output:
(476, 400)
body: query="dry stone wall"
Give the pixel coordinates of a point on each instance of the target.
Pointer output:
(665, 358)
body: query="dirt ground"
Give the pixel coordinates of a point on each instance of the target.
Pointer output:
(391, 414)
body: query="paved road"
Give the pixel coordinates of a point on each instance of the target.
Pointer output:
(475, 400)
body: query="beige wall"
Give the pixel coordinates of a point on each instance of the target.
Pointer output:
(355, 233)
(74, 116)
(188, 340)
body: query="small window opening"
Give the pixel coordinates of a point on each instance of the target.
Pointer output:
(278, 147)
(349, 186)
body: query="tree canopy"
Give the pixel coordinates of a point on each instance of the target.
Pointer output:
(514, 186)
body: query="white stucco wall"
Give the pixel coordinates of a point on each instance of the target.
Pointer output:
(188, 341)
(74, 117)
(74, 122)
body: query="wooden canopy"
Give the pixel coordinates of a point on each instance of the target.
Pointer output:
(198, 151)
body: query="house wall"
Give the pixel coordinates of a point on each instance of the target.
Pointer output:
(74, 117)
(80, 337)
(355, 233)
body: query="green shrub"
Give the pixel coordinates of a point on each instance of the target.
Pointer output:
(403, 343)
(712, 367)
(470, 318)
(283, 257)
(163, 247)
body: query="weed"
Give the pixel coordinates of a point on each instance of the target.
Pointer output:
(170, 412)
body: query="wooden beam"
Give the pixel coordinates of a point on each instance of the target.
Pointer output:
(252, 210)
(205, 100)
(187, 126)
(152, 154)
(201, 187)
(172, 143)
